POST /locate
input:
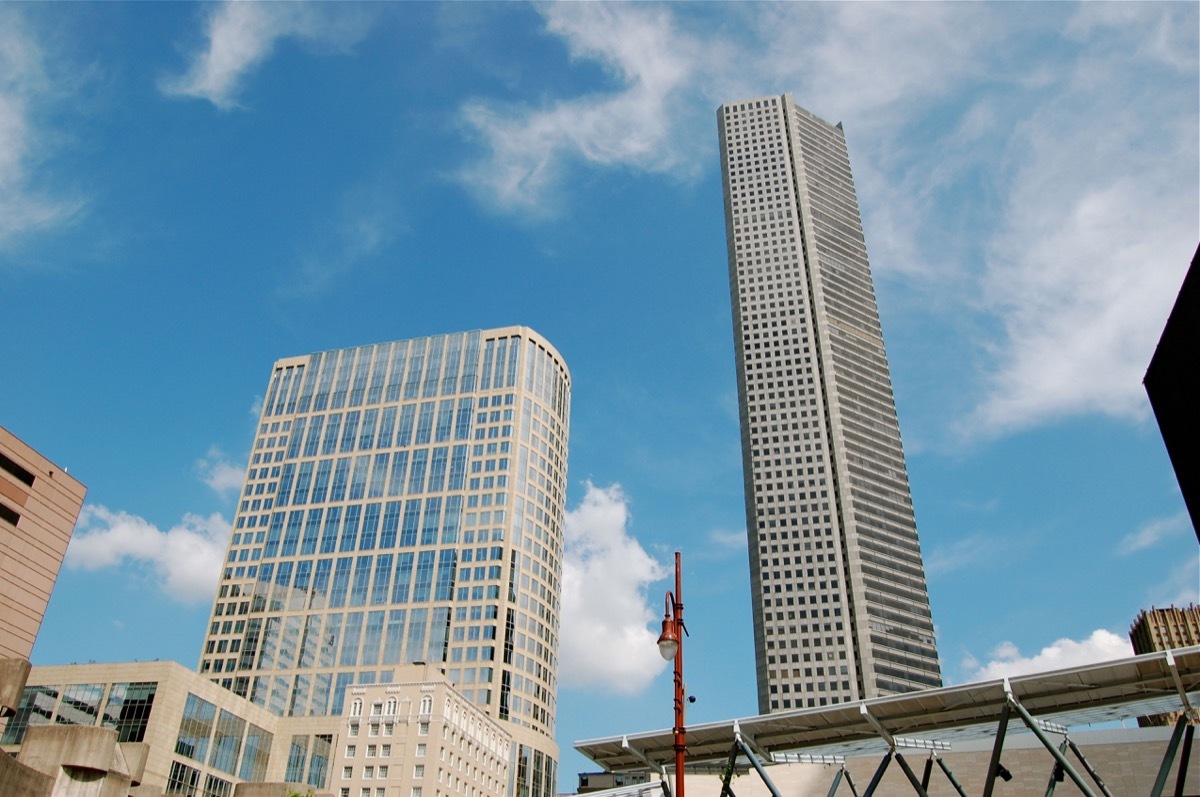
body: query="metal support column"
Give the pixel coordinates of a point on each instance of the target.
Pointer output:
(850, 782)
(727, 777)
(1056, 774)
(1090, 769)
(1033, 726)
(997, 747)
(928, 771)
(1181, 778)
(912, 778)
(950, 776)
(883, 765)
(837, 780)
(1169, 756)
(762, 773)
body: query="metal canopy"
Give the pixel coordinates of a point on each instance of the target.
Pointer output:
(1153, 683)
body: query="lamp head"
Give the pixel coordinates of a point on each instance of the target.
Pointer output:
(668, 641)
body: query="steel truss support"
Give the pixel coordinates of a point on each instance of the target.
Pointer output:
(1036, 728)
(739, 745)
(994, 762)
(758, 767)
(950, 776)
(727, 777)
(837, 780)
(1090, 769)
(1056, 774)
(1184, 729)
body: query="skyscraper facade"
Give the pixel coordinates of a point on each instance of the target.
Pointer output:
(404, 503)
(841, 610)
(39, 504)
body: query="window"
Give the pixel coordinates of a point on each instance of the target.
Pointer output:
(370, 751)
(416, 791)
(352, 749)
(386, 750)
(420, 749)
(383, 773)
(347, 773)
(419, 771)
(368, 773)
(353, 729)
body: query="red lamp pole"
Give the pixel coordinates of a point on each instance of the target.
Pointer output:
(670, 645)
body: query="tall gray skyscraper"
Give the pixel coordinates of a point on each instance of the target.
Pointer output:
(404, 502)
(841, 610)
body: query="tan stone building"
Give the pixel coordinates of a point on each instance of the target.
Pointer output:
(39, 504)
(419, 738)
(1164, 629)
(177, 733)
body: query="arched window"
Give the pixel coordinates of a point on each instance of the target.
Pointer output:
(391, 706)
(426, 705)
(356, 708)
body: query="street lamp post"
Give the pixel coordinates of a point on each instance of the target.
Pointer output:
(670, 645)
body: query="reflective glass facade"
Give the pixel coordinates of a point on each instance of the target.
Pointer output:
(841, 610)
(403, 502)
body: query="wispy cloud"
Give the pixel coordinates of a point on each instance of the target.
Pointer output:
(1063, 198)
(1100, 222)
(1151, 532)
(26, 91)
(363, 225)
(963, 553)
(604, 606)
(241, 35)
(728, 540)
(1006, 660)
(528, 149)
(183, 561)
(219, 473)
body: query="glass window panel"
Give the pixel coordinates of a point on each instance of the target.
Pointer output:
(195, 728)
(227, 742)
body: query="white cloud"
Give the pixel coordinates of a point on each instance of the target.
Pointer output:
(241, 35)
(607, 641)
(1050, 184)
(219, 473)
(183, 561)
(26, 90)
(1100, 222)
(1006, 660)
(1151, 532)
(654, 64)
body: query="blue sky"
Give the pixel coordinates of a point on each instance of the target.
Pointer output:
(189, 192)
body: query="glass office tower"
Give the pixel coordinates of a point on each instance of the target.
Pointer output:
(841, 610)
(404, 502)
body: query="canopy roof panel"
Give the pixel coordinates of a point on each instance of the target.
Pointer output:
(1088, 694)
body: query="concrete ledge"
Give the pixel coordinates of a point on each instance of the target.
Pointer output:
(13, 674)
(48, 747)
(19, 779)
